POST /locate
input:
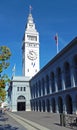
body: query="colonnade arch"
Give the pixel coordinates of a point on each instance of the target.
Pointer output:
(53, 105)
(60, 104)
(39, 105)
(43, 105)
(56, 81)
(69, 107)
(75, 69)
(50, 104)
(67, 75)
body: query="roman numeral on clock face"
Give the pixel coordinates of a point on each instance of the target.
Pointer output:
(33, 64)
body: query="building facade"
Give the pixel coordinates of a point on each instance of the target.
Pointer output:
(19, 89)
(19, 94)
(54, 87)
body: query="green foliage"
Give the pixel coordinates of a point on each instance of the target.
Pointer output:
(4, 57)
(2, 94)
(4, 63)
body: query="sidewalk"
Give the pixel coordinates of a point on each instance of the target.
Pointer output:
(8, 123)
(48, 120)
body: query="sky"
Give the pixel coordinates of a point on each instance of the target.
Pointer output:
(50, 17)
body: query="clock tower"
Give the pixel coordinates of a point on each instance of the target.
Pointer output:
(30, 49)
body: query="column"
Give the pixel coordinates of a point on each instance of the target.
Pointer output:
(56, 89)
(63, 80)
(74, 104)
(72, 75)
(56, 103)
(50, 87)
(50, 106)
(64, 107)
(45, 88)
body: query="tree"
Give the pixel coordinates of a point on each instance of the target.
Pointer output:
(5, 54)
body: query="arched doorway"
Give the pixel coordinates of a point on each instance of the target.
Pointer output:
(69, 104)
(21, 103)
(60, 105)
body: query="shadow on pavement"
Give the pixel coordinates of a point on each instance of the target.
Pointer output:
(7, 127)
(4, 125)
(57, 124)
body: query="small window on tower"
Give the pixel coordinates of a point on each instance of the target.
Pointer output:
(27, 70)
(30, 25)
(17, 88)
(21, 89)
(24, 88)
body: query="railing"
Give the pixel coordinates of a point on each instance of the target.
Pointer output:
(68, 120)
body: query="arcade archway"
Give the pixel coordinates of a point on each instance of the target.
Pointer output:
(21, 103)
(69, 104)
(60, 105)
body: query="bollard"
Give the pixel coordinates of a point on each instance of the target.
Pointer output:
(62, 119)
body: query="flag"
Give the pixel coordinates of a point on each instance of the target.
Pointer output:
(56, 38)
(14, 68)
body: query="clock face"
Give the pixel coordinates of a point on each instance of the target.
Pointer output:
(32, 55)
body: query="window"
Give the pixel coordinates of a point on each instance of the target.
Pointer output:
(53, 82)
(32, 38)
(17, 88)
(24, 88)
(21, 89)
(67, 75)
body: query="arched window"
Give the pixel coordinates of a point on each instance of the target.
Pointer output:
(75, 69)
(47, 84)
(36, 90)
(59, 79)
(21, 98)
(67, 75)
(31, 92)
(39, 88)
(52, 82)
(43, 86)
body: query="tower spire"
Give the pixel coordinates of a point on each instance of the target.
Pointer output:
(30, 9)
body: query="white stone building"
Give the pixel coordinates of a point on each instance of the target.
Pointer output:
(54, 87)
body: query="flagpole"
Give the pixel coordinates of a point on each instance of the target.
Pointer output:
(30, 9)
(13, 70)
(57, 47)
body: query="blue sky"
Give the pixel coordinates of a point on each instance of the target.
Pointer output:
(50, 17)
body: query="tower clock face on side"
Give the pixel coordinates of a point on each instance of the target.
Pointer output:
(32, 55)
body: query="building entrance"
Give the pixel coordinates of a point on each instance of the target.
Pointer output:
(21, 103)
